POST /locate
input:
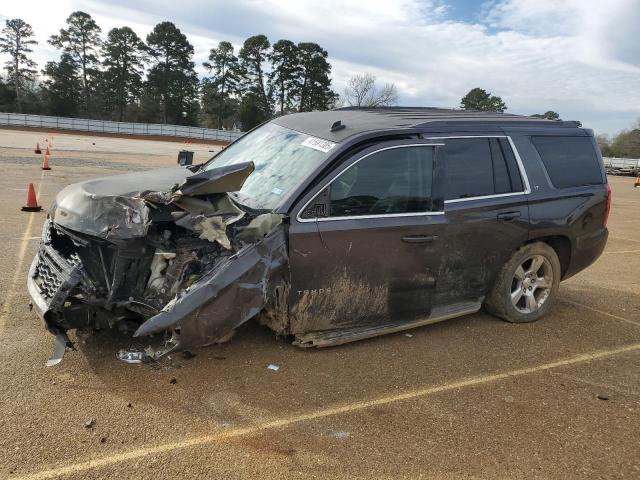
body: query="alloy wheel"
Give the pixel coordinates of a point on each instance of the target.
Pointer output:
(531, 284)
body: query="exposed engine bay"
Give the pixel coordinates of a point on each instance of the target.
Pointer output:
(166, 252)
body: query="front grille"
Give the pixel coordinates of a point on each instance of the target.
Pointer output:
(56, 275)
(48, 276)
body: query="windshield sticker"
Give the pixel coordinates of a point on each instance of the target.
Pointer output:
(277, 191)
(318, 144)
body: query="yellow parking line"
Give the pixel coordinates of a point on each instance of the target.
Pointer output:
(18, 274)
(602, 312)
(106, 461)
(621, 251)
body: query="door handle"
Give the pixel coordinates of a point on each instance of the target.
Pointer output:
(419, 238)
(508, 216)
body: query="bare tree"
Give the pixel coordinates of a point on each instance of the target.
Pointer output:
(362, 91)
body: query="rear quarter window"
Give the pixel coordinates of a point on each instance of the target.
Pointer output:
(569, 161)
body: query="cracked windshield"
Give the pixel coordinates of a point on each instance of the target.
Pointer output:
(283, 158)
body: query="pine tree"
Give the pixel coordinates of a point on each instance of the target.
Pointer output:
(224, 82)
(253, 55)
(251, 112)
(16, 40)
(314, 91)
(7, 96)
(81, 41)
(123, 56)
(172, 80)
(63, 87)
(285, 73)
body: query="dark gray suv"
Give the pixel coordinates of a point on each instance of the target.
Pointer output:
(329, 227)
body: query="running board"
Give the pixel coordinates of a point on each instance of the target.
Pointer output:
(338, 337)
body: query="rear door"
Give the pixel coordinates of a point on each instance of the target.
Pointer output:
(365, 250)
(486, 193)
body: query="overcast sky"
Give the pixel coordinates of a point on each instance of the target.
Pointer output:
(580, 58)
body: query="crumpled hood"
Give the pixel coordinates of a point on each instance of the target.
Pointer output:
(116, 207)
(111, 207)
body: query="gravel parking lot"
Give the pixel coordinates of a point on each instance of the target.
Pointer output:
(472, 397)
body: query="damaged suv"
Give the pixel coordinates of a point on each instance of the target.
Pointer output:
(329, 227)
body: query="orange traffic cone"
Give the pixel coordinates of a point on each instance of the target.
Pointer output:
(45, 162)
(37, 150)
(32, 203)
(637, 183)
(47, 151)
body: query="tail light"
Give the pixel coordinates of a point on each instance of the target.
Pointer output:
(607, 209)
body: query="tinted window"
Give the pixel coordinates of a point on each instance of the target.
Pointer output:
(468, 167)
(570, 161)
(501, 178)
(506, 175)
(512, 165)
(397, 180)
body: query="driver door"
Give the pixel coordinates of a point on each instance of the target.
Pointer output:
(365, 245)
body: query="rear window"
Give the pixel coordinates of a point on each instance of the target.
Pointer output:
(570, 161)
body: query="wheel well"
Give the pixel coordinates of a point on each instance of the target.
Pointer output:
(562, 247)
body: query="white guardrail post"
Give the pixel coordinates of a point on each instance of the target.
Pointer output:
(88, 125)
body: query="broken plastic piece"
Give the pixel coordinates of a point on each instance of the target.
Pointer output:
(213, 229)
(158, 265)
(60, 344)
(259, 227)
(273, 367)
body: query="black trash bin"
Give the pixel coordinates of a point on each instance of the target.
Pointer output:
(185, 157)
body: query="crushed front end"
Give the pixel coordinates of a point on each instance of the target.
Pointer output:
(166, 254)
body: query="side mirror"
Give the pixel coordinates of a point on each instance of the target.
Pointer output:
(319, 206)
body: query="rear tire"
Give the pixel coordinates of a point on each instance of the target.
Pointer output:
(526, 285)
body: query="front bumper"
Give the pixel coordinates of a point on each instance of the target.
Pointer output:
(50, 279)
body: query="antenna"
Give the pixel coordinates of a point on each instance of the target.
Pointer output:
(337, 126)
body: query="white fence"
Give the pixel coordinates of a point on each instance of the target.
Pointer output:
(622, 166)
(621, 162)
(126, 128)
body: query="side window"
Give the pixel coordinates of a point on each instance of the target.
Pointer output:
(469, 168)
(570, 161)
(506, 175)
(476, 167)
(512, 165)
(396, 180)
(501, 179)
